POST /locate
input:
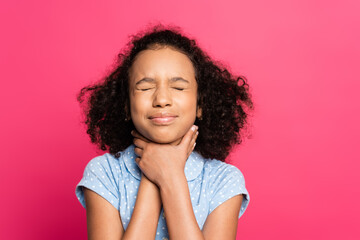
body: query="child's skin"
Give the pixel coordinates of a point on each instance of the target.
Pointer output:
(163, 107)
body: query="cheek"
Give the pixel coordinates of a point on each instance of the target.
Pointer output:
(188, 110)
(189, 104)
(136, 109)
(138, 102)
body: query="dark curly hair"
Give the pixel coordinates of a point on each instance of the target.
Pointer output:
(224, 98)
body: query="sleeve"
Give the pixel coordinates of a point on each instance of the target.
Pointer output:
(99, 177)
(227, 184)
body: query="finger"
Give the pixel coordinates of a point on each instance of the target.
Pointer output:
(138, 135)
(192, 143)
(138, 151)
(190, 146)
(137, 160)
(139, 143)
(188, 136)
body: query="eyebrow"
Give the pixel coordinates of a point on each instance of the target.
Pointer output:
(150, 80)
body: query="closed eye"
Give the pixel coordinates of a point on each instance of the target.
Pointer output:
(145, 89)
(180, 89)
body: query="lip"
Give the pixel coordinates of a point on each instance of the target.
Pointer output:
(163, 118)
(162, 115)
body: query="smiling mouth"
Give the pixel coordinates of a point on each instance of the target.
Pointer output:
(162, 121)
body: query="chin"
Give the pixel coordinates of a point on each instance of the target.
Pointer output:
(164, 139)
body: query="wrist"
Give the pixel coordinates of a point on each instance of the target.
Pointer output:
(148, 187)
(172, 182)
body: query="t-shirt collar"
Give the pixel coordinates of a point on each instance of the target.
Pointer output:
(193, 166)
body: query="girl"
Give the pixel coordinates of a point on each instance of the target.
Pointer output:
(168, 115)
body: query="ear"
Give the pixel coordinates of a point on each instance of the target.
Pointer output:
(199, 113)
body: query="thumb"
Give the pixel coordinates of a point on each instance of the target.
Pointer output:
(185, 141)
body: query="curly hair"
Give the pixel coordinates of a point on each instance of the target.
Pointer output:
(224, 98)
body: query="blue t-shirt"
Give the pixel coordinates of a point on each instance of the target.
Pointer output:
(211, 182)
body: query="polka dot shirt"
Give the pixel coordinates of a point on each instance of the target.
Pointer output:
(211, 182)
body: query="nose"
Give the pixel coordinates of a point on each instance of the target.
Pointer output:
(162, 97)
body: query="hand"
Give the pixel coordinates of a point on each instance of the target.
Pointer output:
(160, 162)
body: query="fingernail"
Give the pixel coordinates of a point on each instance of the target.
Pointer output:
(193, 128)
(194, 145)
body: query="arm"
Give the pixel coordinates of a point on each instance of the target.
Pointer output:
(164, 165)
(146, 212)
(104, 221)
(223, 221)
(180, 218)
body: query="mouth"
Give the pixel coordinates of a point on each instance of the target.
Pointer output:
(162, 119)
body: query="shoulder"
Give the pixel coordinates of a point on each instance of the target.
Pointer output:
(101, 175)
(103, 162)
(225, 181)
(219, 170)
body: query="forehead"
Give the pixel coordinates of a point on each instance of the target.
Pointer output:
(163, 61)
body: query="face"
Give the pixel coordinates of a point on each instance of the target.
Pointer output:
(163, 95)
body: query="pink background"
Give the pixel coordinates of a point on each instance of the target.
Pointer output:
(302, 61)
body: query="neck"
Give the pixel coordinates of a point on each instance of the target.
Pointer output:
(176, 142)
